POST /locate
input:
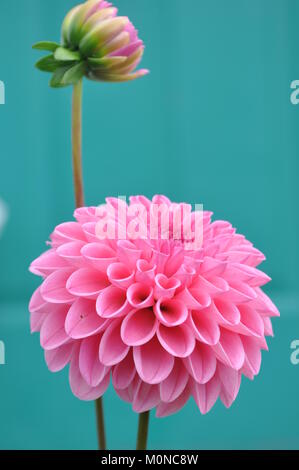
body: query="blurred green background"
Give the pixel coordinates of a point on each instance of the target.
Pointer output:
(212, 124)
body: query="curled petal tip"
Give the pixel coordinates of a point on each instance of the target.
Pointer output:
(143, 72)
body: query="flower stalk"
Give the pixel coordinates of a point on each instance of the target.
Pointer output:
(77, 143)
(143, 430)
(100, 423)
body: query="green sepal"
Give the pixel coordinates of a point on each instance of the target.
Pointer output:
(68, 75)
(74, 74)
(47, 64)
(46, 46)
(56, 80)
(66, 55)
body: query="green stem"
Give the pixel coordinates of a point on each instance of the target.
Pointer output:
(79, 198)
(100, 424)
(77, 143)
(143, 431)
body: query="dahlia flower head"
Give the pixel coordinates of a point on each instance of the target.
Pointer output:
(96, 43)
(163, 319)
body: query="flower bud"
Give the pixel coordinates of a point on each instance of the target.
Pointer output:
(95, 43)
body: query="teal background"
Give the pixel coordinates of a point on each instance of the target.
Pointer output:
(212, 124)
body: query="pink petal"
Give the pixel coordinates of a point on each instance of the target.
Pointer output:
(127, 50)
(213, 286)
(85, 214)
(36, 321)
(194, 299)
(138, 327)
(152, 362)
(264, 304)
(205, 327)
(71, 253)
(82, 320)
(67, 232)
(146, 397)
(107, 231)
(92, 370)
(185, 274)
(58, 358)
(212, 267)
(262, 343)
(178, 340)
(120, 276)
(167, 409)
(128, 253)
(240, 272)
(171, 312)
(165, 287)
(172, 387)
(112, 348)
(87, 282)
(113, 303)
(53, 333)
(244, 255)
(225, 313)
(124, 372)
(253, 357)
(117, 205)
(80, 388)
(54, 289)
(37, 303)
(230, 384)
(99, 255)
(142, 200)
(206, 395)
(145, 272)
(230, 349)
(159, 199)
(201, 364)
(47, 263)
(268, 326)
(132, 32)
(89, 230)
(239, 293)
(251, 323)
(140, 295)
(174, 262)
(127, 394)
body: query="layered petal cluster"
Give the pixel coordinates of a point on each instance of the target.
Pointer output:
(97, 43)
(164, 322)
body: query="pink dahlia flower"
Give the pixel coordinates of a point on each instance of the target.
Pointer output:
(163, 320)
(96, 43)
